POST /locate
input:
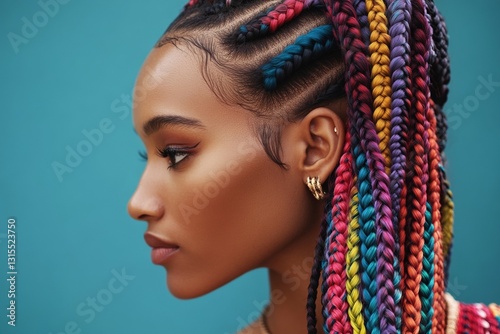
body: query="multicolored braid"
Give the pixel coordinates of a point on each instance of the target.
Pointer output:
(366, 214)
(334, 274)
(384, 248)
(440, 77)
(360, 105)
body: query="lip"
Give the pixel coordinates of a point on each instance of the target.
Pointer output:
(162, 249)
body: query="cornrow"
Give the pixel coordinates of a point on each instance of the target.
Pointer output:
(273, 20)
(305, 49)
(385, 240)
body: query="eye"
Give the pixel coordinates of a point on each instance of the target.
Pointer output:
(174, 155)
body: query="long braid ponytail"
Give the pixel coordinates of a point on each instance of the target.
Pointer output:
(385, 243)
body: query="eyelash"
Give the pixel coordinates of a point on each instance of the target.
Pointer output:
(171, 153)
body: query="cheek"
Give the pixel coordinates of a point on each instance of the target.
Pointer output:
(236, 209)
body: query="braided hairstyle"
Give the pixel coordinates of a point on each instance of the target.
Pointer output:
(384, 247)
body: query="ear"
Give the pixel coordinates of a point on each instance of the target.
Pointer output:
(322, 134)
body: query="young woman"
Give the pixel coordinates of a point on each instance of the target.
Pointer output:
(306, 137)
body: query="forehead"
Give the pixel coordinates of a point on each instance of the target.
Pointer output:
(171, 82)
(168, 82)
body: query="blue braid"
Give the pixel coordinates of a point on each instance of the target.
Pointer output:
(305, 48)
(368, 239)
(260, 29)
(427, 283)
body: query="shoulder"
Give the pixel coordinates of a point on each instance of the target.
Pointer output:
(471, 318)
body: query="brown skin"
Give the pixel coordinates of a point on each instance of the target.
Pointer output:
(228, 207)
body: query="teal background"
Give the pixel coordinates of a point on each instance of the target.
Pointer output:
(76, 71)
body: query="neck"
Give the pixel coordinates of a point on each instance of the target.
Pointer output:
(287, 308)
(289, 276)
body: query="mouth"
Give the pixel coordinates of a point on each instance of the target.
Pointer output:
(162, 249)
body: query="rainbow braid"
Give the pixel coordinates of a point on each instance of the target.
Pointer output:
(359, 100)
(334, 275)
(385, 242)
(353, 266)
(380, 55)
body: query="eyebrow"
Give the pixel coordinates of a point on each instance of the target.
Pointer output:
(158, 122)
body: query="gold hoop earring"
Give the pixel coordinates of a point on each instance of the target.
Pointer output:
(315, 187)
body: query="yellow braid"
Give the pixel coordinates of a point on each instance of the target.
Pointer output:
(352, 264)
(381, 76)
(447, 219)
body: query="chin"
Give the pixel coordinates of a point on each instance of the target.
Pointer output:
(183, 288)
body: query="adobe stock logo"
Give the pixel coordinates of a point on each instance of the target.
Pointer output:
(485, 88)
(121, 108)
(94, 305)
(31, 26)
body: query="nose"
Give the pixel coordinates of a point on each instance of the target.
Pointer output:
(144, 204)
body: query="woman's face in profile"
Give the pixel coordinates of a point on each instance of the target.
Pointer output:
(208, 186)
